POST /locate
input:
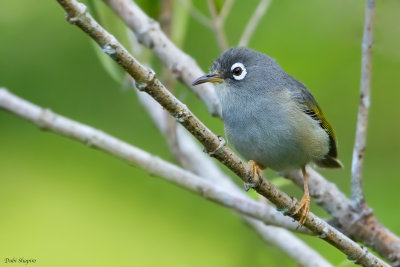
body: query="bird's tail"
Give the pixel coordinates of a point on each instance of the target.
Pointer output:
(329, 163)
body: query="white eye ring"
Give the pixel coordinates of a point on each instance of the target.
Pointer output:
(242, 74)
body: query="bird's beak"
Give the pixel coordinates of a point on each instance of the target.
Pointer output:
(211, 77)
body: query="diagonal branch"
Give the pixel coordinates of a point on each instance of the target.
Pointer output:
(218, 26)
(372, 233)
(363, 109)
(183, 67)
(146, 81)
(196, 14)
(192, 158)
(253, 22)
(94, 138)
(360, 225)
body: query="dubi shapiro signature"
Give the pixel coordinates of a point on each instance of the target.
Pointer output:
(20, 260)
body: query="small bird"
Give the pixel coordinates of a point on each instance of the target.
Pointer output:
(271, 118)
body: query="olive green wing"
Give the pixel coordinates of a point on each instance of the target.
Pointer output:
(312, 109)
(315, 112)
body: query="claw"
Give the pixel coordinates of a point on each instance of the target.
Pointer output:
(304, 204)
(255, 175)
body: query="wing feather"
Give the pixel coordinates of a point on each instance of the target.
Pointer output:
(312, 109)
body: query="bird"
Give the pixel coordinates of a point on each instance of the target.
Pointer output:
(271, 118)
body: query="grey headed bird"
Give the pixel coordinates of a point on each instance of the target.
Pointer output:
(271, 118)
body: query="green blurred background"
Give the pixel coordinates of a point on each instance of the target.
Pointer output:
(66, 205)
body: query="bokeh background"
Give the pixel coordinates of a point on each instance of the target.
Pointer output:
(67, 205)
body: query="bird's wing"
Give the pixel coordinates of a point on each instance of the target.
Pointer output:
(312, 109)
(315, 112)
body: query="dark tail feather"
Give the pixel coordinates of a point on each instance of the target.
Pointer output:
(329, 162)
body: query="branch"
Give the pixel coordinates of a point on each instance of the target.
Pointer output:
(363, 109)
(360, 225)
(196, 14)
(149, 34)
(253, 22)
(226, 8)
(48, 120)
(147, 82)
(194, 159)
(384, 241)
(217, 25)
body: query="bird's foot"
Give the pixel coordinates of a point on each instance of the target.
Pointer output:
(255, 175)
(303, 205)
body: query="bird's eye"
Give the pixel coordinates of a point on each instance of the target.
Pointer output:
(238, 71)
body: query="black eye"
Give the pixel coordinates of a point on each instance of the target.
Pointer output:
(237, 71)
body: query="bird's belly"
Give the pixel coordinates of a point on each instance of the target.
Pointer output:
(276, 145)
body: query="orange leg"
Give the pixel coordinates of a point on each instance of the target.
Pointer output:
(305, 200)
(255, 174)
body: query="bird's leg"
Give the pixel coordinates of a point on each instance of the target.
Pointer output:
(305, 200)
(255, 174)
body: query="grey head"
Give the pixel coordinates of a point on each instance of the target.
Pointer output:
(244, 72)
(245, 69)
(244, 75)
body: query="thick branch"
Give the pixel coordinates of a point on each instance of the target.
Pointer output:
(376, 235)
(363, 108)
(149, 34)
(48, 120)
(192, 158)
(360, 225)
(146, 81)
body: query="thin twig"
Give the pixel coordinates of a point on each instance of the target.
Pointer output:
(217, 26)
(226, 8)
(253, 22)
(147, 82)
(196, 14)
(357, 194)
(367, 230)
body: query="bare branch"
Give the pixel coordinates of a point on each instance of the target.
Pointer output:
(48, 120)
(217, 26)
(196, 14)
(293, 247)
(147, 82)
(195, 160)
(363, 109)
(192, 158)
(94, 138)
(384, 241)
(149, 34)
(253, 22)
(360, 224)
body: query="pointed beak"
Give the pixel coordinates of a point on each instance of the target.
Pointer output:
(208, 78)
